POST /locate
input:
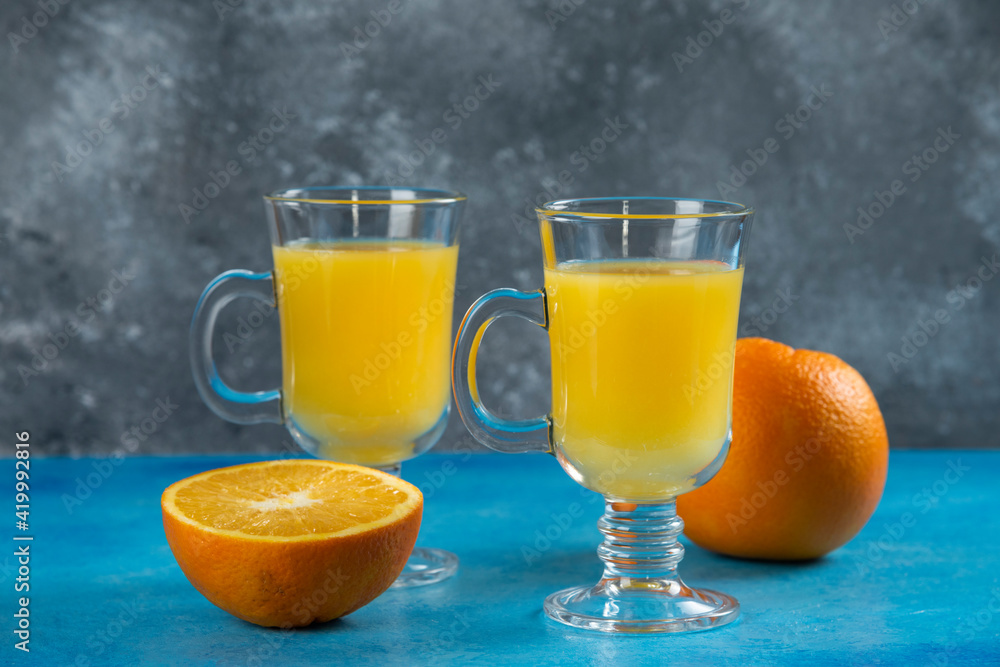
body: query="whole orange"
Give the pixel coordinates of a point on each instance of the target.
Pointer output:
(807, 463)
(288, 543)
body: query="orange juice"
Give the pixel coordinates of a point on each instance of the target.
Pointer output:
(366, 342)
(642, 367)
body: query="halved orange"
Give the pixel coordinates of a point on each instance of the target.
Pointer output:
(288, 543)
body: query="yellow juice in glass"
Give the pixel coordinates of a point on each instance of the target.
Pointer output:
(366, 344)
(642, 366)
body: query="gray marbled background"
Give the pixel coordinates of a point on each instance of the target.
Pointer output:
(219, 76)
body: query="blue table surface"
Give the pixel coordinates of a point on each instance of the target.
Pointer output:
(105, 588)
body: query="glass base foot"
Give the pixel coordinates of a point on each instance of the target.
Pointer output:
(623, 605)
(427, 566)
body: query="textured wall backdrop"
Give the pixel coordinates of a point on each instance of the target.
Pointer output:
(117, 116)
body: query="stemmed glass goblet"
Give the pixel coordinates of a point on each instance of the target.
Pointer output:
(641, 301)
(364, 282)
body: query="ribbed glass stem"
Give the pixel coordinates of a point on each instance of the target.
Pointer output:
(640, 540)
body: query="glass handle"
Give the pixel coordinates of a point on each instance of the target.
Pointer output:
(503, 435)
(239, 407)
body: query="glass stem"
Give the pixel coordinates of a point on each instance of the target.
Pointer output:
(640, 540)
(395, 469)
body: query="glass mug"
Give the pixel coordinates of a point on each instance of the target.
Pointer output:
(364, 282)
(641, 302)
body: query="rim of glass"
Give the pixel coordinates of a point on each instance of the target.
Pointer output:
(350, 195)
(730, 209)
